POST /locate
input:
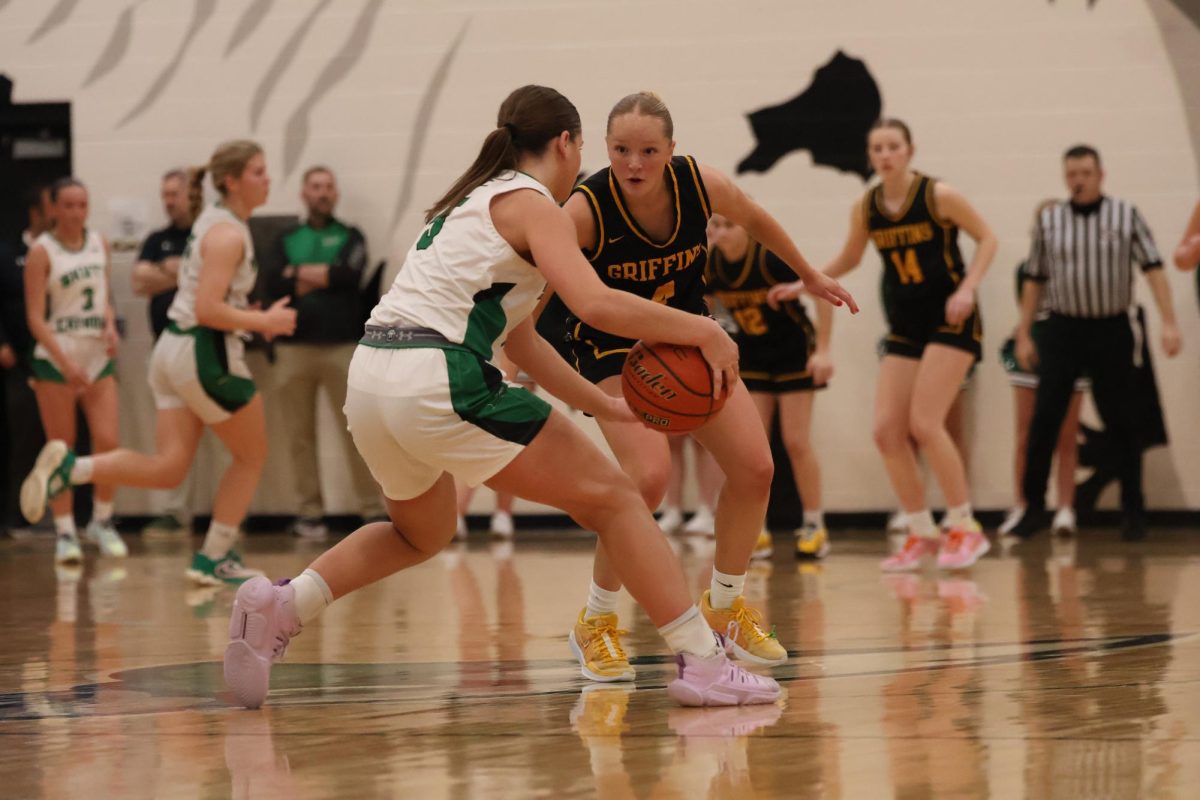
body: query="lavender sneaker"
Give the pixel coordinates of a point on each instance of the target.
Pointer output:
(717, 681)
(263, 622)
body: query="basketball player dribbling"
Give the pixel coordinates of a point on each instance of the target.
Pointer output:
(642, 223)
(935, 336)
(426, 404)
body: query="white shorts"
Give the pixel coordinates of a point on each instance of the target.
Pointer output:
(89, 353)
(201, 369)
(416, 412)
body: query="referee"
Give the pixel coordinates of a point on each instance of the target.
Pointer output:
(1081, 273)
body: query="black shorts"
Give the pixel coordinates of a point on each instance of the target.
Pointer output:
(914, 325)
(597, 355)
(778, 363)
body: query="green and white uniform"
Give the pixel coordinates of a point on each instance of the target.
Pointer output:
(76, 297)
(201, 368)
(419, 406)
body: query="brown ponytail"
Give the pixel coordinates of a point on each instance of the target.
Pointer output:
(528, 119)
(228, 160)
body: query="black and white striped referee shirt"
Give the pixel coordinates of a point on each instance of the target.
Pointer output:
(1085, 257)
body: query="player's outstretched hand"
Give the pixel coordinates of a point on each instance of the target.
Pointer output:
(721, 353)
(782, 293)
(828, 289)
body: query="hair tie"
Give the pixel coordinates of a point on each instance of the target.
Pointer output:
(512, 129)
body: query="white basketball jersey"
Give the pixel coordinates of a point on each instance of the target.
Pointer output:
(183, 308)
(77, 287)
(462, 279)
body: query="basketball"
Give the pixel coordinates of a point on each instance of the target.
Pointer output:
(669, 387)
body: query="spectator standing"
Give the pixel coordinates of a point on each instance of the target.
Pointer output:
(1081, 271)
(324, 263)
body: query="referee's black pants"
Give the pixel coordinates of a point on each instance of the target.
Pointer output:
(1102, 349)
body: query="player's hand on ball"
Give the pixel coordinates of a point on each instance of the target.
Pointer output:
(614, 409)
(721, 353)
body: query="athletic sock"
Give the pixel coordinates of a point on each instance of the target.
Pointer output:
(219, 540)
(102, 511)
(920, 523)
(814, 519)
(724, 589)
(312, 595)
(65, 526)
(81, 472)
(601, 601)
(689, 633)
(958, 515)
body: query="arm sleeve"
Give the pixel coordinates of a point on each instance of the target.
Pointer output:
(1142, 245)
(347, 269)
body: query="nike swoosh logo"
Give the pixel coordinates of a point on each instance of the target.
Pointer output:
(614, 241)
(726, 585)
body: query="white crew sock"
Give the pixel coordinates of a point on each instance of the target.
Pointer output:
(958, 515)
(81, 472)
(814, 519)
(920, 523)
(102, 511)
(65, 526)
(724, 589)
(219, 540)
(689, 633)
(312, 595)
(601, 601)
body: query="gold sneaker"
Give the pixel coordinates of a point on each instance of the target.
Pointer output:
(764, 545)
(812, 542)
(744, 635)
(596, 642)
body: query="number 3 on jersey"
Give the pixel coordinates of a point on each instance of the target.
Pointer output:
(907, 268)
(664, 293)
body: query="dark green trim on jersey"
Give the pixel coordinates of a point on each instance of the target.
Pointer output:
(486, 321)
(481, 397)
(44, 370)
(230, 392)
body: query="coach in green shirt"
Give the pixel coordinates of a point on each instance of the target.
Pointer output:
(324, 263)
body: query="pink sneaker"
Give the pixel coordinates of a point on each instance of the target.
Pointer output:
(263, 622)
(717, 681)
(964, 545)
(916, 550)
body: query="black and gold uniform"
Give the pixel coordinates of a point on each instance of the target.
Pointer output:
(626, 258)
(922, 266)
(773, 344)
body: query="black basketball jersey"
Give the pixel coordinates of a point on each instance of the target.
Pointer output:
(627, 258)
(920, 251)
(742, 287)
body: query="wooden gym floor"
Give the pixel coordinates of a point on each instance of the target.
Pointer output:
(1054, 669)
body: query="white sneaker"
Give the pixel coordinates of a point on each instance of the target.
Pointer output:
(104, 535)
(460, 528)
(502, 525)
(313, 529)
(1064, 522)
(670, 520)
(67, 550)
(1011, 519)
(702, 522)
(898, 522)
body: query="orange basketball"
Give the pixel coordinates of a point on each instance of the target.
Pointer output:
(669, 387)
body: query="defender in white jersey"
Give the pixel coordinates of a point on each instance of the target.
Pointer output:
(197, 372)
(426, 403)
(71, 318)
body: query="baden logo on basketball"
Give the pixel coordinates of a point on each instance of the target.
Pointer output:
(653, 381)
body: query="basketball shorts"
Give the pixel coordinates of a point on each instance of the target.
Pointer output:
(416, 412)
(200, 369)
(914, 325)
(1029, 380)
(597, 355)
(89, 353)
(778, 363)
